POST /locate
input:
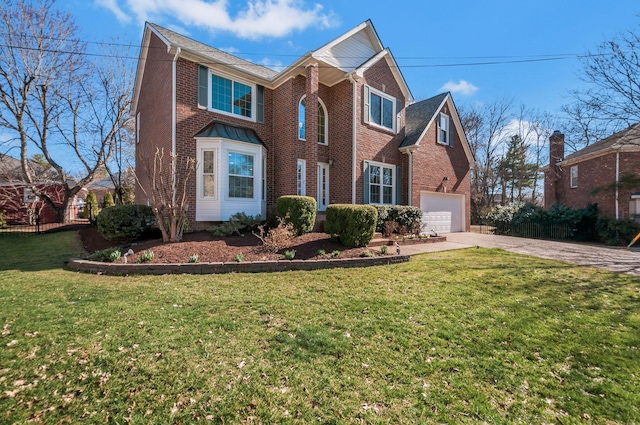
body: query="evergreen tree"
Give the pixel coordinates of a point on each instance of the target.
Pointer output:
(108, 200)
(514, 172)
(91, 207)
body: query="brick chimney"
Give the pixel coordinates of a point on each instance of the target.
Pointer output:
(553, 177)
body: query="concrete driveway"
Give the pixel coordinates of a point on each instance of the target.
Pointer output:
(613, 259)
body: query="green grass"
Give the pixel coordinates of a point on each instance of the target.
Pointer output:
(467, 336)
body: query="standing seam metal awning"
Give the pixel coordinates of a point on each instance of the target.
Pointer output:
(231, 132)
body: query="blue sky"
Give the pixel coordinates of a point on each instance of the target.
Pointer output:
(435, 43)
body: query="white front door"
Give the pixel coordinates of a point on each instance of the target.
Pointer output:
(323, 186)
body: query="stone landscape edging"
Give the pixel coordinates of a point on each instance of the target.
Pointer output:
(98, 267)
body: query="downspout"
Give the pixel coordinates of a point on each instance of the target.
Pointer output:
(173, 124)
(174, 101)
(617, 181)
(410, 183)
(354, 132)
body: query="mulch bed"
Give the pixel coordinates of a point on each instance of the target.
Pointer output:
(213, 249)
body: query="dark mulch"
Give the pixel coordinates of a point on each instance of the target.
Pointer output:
(213, 249)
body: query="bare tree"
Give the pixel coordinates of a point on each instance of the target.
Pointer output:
(485, 127)
(612, 99)
(54, 100)
(168, 177)
(583, 125)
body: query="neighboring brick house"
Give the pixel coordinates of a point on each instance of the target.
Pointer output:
(331, 126)
(604, 173)
(18, 204)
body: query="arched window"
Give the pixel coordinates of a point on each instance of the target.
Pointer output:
(322, 121)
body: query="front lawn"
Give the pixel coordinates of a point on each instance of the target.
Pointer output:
(464, 336)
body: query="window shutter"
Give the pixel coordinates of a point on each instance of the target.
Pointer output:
(366, 182)
(398, 115)
(260, 103)
(399, 185)
(203, 86)
(452, 131)
(365, 108)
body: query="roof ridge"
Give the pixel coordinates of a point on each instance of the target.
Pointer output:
(243, 61)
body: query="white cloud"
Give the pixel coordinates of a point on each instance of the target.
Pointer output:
(462, 87)
(272, 64)
(259, 18)
(112, 5)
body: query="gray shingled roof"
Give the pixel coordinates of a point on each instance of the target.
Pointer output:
(231, 132)
(417, 117)
(215, 56)
(627, 137)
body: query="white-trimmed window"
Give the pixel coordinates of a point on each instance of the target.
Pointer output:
(301, 177)
(226, 95)
(241, 171)
(381, 183)
(322, 121)
(443, 129)
(574, 176)
(381, 108)
(209, 173)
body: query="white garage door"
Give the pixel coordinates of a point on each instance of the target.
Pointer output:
(443, 213)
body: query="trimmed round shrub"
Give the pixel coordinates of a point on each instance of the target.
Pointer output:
(407, 217)
(300, 211)
(125, 222)
(354, 225)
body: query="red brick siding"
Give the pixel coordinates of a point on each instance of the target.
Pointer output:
(280, 131)
(598, 173)
(374, 143)
(154, 107)
(190, 119)
(433, 161)
(339, 102)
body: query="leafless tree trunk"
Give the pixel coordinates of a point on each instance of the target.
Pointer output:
(168, 179)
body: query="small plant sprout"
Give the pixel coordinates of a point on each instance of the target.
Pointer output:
(145, 257)
(335, 253)
(383, 250)
(193, 258)
(114, 256)
(367, 253)
(290, 254)
(239, 258)
(321, 252)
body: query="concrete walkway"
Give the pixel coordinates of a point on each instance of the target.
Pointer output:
(613, 259)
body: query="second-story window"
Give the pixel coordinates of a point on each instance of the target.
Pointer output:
(231, 96)
(381, 109)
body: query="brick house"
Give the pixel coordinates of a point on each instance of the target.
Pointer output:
(605, 173)
(339, 124)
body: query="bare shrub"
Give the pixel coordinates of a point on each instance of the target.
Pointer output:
(277, 238)
(389, 227)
